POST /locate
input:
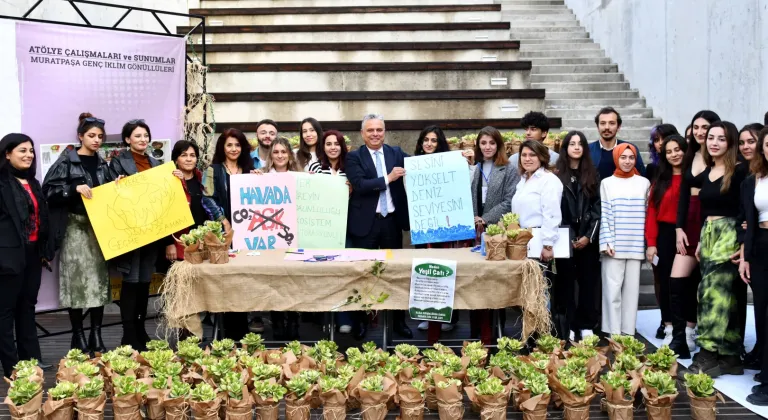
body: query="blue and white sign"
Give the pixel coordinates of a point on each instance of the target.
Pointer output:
(439, 200)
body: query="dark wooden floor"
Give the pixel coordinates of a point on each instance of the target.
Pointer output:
(54, 348)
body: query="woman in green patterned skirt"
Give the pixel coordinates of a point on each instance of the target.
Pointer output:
(83, 274)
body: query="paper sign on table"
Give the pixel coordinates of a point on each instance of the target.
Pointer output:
(433, 285)
(439, 200)
(138, 210)
(561, 248)
(284, 210)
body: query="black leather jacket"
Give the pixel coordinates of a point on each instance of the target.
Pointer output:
(583, 211)
(123, 164)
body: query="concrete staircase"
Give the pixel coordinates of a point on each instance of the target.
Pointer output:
(577, 76)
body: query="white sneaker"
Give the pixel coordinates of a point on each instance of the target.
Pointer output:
(586, 333)
(423, 326)
(667, 335)
(446, 327)
(572, 336)
(690, 338)
(345, 329)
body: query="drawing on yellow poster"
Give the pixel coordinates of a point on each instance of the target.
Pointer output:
(138, 210)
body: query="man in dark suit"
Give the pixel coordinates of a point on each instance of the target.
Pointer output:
(378, 212)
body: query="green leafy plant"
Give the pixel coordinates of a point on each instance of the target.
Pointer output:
(203, 393)
(476, 356)
(172, 369)
(128, 385)
(345, 372)
(192, 339)
(420, 386)
(222, 367)
(583, 352)
(490, 386)
(324, 351)
(369, 347)
(432, 355)
(25, 372)
(222, 348)
(63, 390)
(189, 351)
(576, 385)
(548, 343)
(87, 369)
(26, 364)
(180, 389)
(121, 365)
(368, 297)
(590, 341)
(158, 345)
(23, 390)
(76, 355)
(254, 342)
(626, 362)
(453, 363)
(267, 390)
(510, 218)
(663, 359)
(505, 361)
(298, 386)
(700, 384)
(310, 375)
(91, 389)
(493, 230)
(265, 371)
(158, 358)
(392, 366)
(539, 360)
(574, 366)
(448, 382)
(328, 383)
(160, 381)
(475, 375)
(617, 380)
(250, 361)
(662, 381)
(293, 347)
(537, 384)
(124, 351)
(373, 383)
(509, 344)
(232, 384)
(630, 344)
(524, 371)
(407, 350)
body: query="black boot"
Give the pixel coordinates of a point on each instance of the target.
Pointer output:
(561, 327)
(128, 296)
(142, 301)
(95, 342)
(704, 361)
(731, 365)
(677, 294)
(78, 335)
(292, 326)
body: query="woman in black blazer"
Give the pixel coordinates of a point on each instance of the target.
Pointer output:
(24, 250)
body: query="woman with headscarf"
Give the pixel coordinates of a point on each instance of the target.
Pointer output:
(622, 223)
(24, 238)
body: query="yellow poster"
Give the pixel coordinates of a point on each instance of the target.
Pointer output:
(138, 210)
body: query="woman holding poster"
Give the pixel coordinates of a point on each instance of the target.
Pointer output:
(24, 238)
(136, 266)
(83, 274)
(230, 158)
(493, 181)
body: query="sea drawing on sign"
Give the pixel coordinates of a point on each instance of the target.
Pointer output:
(439, 201)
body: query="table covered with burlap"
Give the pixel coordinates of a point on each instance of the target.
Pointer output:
(269, 283)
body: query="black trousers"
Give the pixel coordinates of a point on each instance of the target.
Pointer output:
(759, 276)
(666, 249)
(582, 269)
(384, 234)
(17, 312)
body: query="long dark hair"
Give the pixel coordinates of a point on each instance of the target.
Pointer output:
(10, 142)
(694, 146)
(244, 161)
(731, 157)
(759, 165)
(587, 172)
(500, 159)
(663, 178)
(323, 158)
(303, 155)
(442, 143)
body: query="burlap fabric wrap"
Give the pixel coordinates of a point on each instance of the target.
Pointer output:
(240, 409)
(206, 410)
(334, 405)
(534, 407)
(491, 407)
(195, 253)
(38, 376)
(59, 410)
(495, 247)
(189, 289)
(299, 408)
(450, 404)
(128, 407)
(517, 248)
(266, 409)
(373, 405)
(618, 403)
(154, 403)
(32, 410)
(175, 408)
(658, 407)
(91, 408)
(218, 252)
(704, 408)
(576, 407)
(411, 403)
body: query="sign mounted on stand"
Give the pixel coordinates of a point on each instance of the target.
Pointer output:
(433, 285)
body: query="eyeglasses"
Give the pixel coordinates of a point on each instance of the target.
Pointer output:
(93, 120)
(139, 121)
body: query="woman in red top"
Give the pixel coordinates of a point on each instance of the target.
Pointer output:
(24, 234)
(660, 226)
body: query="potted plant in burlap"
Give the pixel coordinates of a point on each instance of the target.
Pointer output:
(25, 399)
(204, 402)
(619, 393)
(128, 398)
(333, 393)
(194, 245)
(297, 400)
(239, 401)
(175, 400)
(534, 396)
(449, 399)
(663, 360)
(61, 401)
(373, 393)
(703, 397)
(410, 397)
(571, 385)
(267, 395)
(90, 399)
(659, 392)
(217, 242)
(495, 243)
(491, 396)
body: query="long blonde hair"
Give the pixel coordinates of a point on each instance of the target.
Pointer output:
(293, 163)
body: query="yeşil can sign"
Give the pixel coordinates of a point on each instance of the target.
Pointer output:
(433, 284)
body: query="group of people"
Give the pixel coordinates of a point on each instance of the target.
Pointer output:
(698, 213)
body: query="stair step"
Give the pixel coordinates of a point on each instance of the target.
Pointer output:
(547, 35)
(361, 56)
(515, 16)
(560, 47)
(581, 87)
(373, 35)
(565, 54)
(592, 104)
(536, 10)
(524, 24)
(599, 95)
(326, 3)
(568, 78)
(626, 123)
(550, 29)
(590, 113)
(298, 18)
(531, 2)
(559, 61)
(559, 42)
(539, 68)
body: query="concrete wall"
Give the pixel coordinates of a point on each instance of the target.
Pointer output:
(687, 55)
(101, 16)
